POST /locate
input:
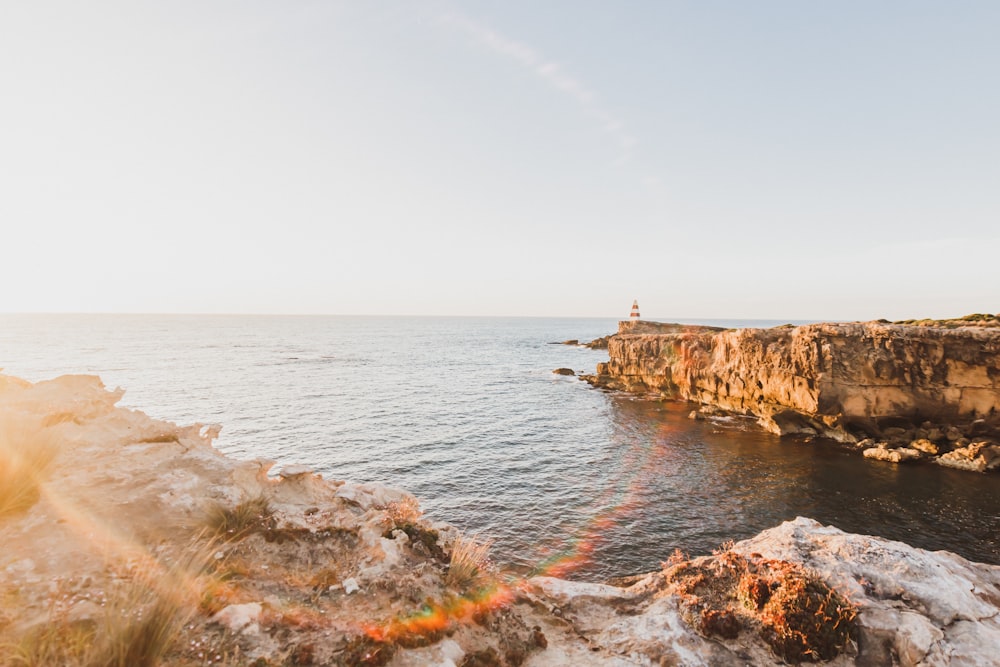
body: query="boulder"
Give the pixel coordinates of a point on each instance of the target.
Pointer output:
(564, 371)
(894, 433)
(866, 443)
(599, 343)
(898, 455)
(924, 445)
(978, 427)
(978, 457)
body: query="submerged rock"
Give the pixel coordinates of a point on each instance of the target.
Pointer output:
(564, 371)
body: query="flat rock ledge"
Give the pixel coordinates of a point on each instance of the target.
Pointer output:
(300, 570)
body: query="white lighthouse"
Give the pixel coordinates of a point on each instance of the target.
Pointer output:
(634, 315)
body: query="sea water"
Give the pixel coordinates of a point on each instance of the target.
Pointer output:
(466, 414)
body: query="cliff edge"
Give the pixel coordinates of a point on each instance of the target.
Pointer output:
(933, 385)
(132, 541)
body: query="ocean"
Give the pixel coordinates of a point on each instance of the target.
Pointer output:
(466, 414)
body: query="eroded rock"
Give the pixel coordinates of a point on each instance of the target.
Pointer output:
(979, 457)
(841, 381)
(897, 455)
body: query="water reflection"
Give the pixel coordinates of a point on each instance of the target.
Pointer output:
(703, 482)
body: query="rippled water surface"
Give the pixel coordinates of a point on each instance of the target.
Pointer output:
(467, 414)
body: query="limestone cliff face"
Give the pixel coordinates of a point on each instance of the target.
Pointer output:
(834, 379)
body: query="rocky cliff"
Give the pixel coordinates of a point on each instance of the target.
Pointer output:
(845, 381)
(129, 540)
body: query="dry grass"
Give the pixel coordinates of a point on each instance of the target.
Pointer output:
(975, 319)
(791, 609)
(138, 627)
(138, 630)
(26, 452)
(238, 522)
(469, 566)
(52, 644)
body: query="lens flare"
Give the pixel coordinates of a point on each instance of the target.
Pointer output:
(437, 616)
(620, 497)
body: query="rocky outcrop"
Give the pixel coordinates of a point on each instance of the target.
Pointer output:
(112, 521)
(914, 607)
(844, 381)
(598, 343)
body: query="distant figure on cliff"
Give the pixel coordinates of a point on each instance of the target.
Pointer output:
(634, 315)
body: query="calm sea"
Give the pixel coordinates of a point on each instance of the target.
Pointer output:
(466, 414)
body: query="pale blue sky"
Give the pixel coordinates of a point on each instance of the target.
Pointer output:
(797, 160)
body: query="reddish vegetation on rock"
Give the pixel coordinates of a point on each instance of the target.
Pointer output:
(791, 609)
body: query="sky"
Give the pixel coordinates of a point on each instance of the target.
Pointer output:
(771, 159)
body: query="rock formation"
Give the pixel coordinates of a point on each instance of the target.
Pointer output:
(130, 540)
(843, 381)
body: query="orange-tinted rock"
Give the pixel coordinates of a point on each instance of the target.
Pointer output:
(830, 379)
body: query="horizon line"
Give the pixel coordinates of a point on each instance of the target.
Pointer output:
(799, 320)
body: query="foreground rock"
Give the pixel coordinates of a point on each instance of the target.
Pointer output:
(901, 383)
(114, 524)
(914, 607)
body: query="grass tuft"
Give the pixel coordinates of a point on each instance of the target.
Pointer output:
(26, 453)
(469, 565)
(235, 523)
(139, 626)
(139, 629)
(59, 643)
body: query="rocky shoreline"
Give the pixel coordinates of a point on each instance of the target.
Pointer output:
(132, 541)
(905, 391)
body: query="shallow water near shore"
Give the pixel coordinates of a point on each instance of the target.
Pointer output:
(466, 414)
